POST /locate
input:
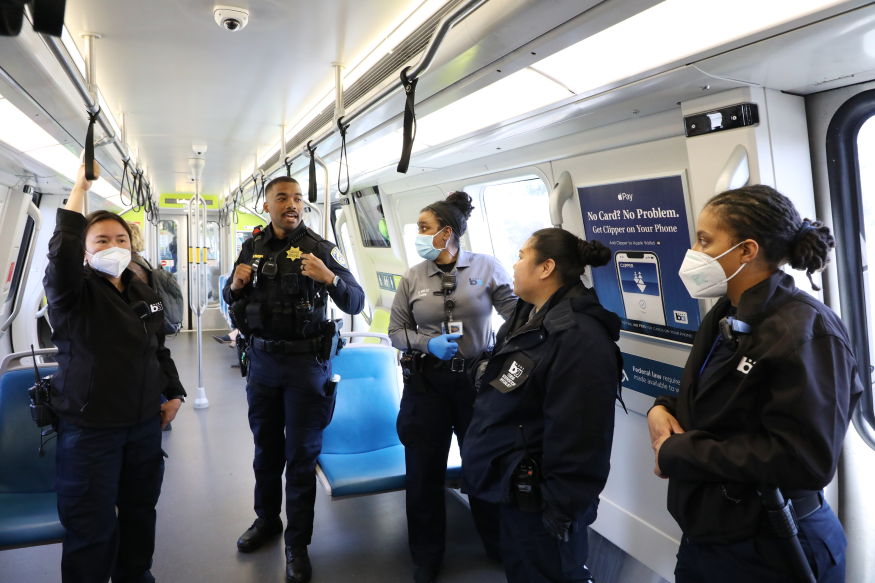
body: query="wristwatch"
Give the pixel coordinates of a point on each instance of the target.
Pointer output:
(180, 397)
(334, 281)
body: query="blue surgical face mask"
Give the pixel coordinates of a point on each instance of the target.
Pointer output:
(425, 246)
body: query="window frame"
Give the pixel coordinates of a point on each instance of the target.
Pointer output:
(18, 280)
(846, 200)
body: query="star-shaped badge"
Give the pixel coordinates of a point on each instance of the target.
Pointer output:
(294, 253)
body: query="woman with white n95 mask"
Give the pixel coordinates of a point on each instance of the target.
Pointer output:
(442, 321)
(113, 373)
(765, 399)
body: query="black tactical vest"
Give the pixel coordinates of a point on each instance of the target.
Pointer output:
(283, 304)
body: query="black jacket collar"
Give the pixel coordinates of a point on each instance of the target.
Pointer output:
(766, 296)
(296, 233)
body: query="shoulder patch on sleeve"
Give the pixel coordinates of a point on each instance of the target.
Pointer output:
(338, 256)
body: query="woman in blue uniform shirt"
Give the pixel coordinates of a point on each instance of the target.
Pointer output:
(540, 440)
(452, 328)
(765, 397)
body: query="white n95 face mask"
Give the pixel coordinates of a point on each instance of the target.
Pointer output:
(112, 261)
(703, 276)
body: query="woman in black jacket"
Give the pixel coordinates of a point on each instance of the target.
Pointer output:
(113, 368)
(540, 440)
(765, 397)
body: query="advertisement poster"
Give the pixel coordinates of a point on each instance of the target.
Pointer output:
(645, 225)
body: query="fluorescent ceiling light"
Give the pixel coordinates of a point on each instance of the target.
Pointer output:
(671, 30)
(104, 188)
(57, 158)
(516, 94)
(73, 50)
(383, 151)
(20, 131)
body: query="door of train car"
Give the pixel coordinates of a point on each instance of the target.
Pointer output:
(176, 240)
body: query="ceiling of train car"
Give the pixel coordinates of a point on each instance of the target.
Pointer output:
(180, 78)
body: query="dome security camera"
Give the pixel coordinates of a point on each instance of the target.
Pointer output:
(199, 149)
(231, 18)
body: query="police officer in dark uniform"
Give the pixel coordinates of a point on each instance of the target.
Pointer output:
(540, 440)
(278, 296)
(113, 370)
(442, 320)
(765, 398)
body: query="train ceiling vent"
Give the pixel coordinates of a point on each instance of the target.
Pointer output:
(385, 68)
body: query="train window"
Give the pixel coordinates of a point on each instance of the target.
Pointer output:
(410, 231)
(372, 223)
(515, 210)
(353, 266)
(16, 275)
(866, 165)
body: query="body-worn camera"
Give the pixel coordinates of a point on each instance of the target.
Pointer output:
(40, 405)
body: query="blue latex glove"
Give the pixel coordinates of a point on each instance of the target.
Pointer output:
(443, 347)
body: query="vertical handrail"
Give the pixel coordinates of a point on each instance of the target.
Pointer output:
(197, 220)
(34, 213)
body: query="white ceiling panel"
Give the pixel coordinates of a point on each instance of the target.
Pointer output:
(180, 78)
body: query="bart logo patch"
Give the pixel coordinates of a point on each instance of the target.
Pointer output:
(157, 307)
(475, 281)
(745, 365)
(514, 373)
(338, 256)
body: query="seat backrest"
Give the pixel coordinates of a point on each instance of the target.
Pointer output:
(21, 467)
(367, 401)
(379, 324)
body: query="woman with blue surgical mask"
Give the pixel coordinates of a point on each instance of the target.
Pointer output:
(442, 321)
(765, 398)
(113, 374)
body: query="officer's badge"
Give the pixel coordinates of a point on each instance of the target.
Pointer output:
(294, 253)
(338, 256)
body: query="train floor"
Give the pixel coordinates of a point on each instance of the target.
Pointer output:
(206, 503)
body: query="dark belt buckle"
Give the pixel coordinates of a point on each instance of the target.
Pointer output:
(457, 365)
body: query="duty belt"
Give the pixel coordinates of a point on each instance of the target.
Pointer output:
(807, 505)
(454, 365)
(286, 346)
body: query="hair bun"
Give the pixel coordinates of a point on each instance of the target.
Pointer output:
(593, 253)
(811, 248)
(462, 201)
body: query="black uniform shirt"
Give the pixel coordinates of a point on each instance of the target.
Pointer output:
(112, 366)
(347, 295)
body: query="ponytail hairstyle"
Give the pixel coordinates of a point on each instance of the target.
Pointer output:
(453, 212)
(761, 213)
(570, 253)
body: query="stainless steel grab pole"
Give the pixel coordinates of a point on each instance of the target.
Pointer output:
(72, 72)
(197, 220)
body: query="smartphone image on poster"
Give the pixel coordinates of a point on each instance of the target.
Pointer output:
(641, 286)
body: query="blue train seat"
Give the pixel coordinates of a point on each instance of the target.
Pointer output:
(28, 503)
(361, 453)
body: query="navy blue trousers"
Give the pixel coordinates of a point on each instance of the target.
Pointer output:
(822, 538)
(288, 410)
(99, 470)
(531, 555)
(425, 426)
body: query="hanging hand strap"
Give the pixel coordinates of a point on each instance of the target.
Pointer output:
(121, 189)
(288, 167)
(89, 146)
(409, 121)
(312, 191)
(343, 155)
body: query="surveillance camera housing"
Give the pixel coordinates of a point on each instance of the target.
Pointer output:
(231, 18)
(199, 149)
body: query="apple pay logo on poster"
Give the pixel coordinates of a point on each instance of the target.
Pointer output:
(624, 196)
(681, 317)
